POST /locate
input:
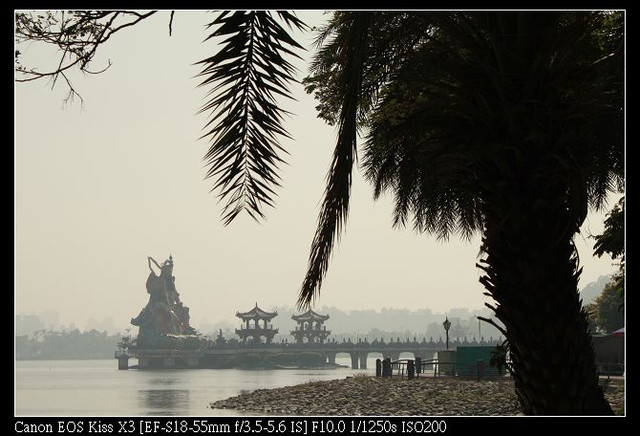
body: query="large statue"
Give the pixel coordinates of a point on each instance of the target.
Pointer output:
(164, 313)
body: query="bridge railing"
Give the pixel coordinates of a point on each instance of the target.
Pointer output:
(412, 368)
(606, 368)
(332, 343)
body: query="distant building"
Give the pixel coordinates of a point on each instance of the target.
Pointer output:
(252, 328)
(310, 329)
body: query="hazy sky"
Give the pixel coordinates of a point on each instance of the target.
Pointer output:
(101, 186)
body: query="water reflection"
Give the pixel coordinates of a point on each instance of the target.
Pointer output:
(69, 388)
(163, 401)
(165, 378)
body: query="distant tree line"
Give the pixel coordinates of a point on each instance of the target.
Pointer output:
(606, 313)
(66, 344)
(28, 323)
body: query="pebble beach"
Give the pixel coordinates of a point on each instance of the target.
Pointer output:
(365, 395)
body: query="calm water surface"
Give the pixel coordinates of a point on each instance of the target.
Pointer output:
(97, 388)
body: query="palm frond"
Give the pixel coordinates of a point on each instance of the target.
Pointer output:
(245, 78)
(335, 207)
(418, 148)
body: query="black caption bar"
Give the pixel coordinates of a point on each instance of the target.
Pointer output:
(276, 425)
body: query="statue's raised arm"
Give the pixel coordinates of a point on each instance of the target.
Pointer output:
(151, 259)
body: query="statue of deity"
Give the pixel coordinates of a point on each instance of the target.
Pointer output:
(164, 313)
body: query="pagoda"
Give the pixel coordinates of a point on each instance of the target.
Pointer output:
(310, 329)
(254, 329)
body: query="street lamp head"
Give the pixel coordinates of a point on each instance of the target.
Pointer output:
(446, 324)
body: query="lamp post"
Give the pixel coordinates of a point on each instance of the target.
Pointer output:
(447, 324)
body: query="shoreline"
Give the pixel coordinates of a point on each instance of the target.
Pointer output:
(373, 396)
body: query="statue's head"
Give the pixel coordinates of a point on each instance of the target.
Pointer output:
(168, 264)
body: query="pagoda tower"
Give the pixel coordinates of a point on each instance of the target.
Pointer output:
(310, 329)
(253, 328)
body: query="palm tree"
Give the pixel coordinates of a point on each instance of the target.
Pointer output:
(508, 124)
(505, 123)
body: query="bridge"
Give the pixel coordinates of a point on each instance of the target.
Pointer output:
(218, 355)
(166, 338)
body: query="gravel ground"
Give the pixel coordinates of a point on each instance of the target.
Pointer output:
(364, 395)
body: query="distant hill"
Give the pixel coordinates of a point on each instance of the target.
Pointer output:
(593, 289)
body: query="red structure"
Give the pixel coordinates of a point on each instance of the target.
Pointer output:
(310, 329)
(253, 328)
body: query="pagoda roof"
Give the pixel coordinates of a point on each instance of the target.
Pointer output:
(310, 315)
(256, 312)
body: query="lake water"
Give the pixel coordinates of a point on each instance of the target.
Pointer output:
(97, 388)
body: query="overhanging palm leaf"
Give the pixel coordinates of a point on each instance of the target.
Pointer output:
(335, 207)
(245, 77)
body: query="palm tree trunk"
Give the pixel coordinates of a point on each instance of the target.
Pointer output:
(531, 271)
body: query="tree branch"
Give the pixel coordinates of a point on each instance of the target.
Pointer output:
(77, 35)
